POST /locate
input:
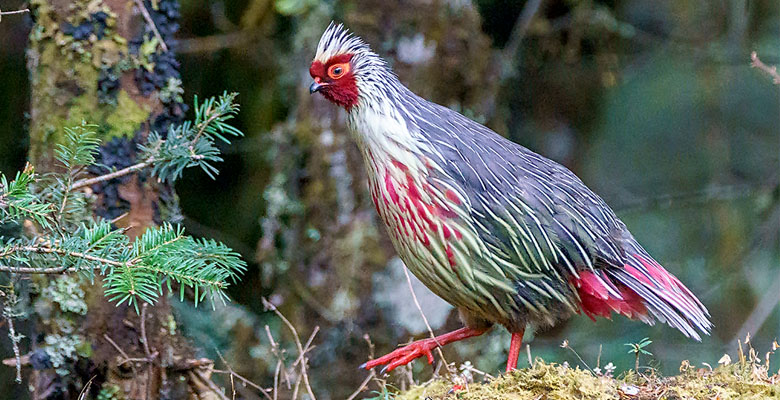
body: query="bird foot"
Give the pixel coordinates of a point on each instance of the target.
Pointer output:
(404, 355)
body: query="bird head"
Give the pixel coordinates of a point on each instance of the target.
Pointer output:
(342, 66)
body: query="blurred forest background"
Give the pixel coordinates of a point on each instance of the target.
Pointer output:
(653, 104)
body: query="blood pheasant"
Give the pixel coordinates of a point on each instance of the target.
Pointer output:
(507, 236)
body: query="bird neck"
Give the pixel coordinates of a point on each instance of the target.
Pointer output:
(381, 124)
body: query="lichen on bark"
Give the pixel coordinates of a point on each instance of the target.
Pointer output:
(101, 62)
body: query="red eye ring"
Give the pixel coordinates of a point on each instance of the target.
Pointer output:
(336, 71)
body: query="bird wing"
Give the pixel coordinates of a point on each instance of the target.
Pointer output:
(531, 210)
(536, 217)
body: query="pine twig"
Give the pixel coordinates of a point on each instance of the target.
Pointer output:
(76, 254)
(43, 271)
(116, 174)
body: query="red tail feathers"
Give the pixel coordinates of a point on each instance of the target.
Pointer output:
(642, 290)
(600, 296)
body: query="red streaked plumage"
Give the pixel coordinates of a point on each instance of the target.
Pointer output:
(506, 235)
(596, 299)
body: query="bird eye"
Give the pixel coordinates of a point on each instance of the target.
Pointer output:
(336, 71)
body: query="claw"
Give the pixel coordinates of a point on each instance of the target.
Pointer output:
(403, 356)
(363, 366)
(420, 348)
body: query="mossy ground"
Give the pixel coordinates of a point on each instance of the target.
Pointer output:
(746, 380)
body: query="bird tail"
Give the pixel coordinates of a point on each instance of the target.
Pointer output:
(663, 295)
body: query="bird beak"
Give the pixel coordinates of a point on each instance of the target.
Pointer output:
(316, 87)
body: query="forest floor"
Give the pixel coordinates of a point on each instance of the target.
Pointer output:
(748, 378)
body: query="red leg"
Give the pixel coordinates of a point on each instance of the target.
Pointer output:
(420, 348)
(514, 350)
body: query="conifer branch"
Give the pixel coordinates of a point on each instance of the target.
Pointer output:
(71, 240)
(184, 146)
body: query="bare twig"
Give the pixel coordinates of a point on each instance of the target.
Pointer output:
(85, 390)
(53, 250)
(520, 28)
(22, 11)
(762, 310)
(768, 233)
(279, 363)
(706, 195)
(143, 331)
(197, 376)
(307, 346)
(28, 270)
(127, 358)
(11, 362)
(116, 346)
(241, 378)
(81, 183)
(755, 62)
(425, 319)
(566, 345)
(147, 351)
(15, 344)
(209, 44)
(268, 305)
(362, 386)
(150, 22)
(276, 377)
(296, 387)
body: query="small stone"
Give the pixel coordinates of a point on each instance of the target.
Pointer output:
(630, 390)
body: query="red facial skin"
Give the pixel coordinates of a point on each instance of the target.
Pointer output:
(342, 91)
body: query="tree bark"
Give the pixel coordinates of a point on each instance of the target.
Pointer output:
(109, 63)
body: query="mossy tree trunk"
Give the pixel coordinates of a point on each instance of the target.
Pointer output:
(108, 63)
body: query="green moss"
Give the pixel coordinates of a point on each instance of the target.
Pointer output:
(110, 392)
(554, 381)
(126, 117)
(64, 75)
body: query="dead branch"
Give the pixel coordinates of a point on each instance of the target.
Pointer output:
(241, 378)
(210, 44)
(15, 344)
(22, 11)
(362, 386)
(301, 350)
(151, 24)
(81, 183)
(755, 62)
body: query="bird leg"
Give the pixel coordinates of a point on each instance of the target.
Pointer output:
(514, 350)
(422, 347)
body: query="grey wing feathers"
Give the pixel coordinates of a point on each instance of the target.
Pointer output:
(540, 218)
(531, 208)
